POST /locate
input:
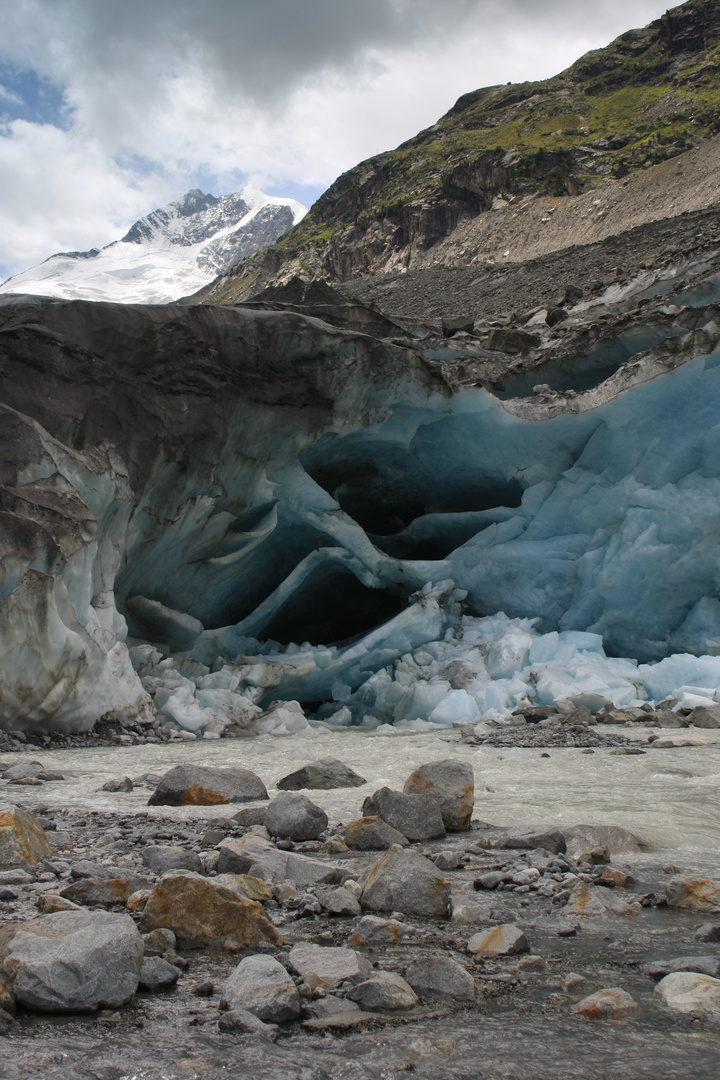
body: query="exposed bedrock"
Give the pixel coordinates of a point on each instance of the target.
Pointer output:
(211, 480)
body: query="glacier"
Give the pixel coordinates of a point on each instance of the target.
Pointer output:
(238, 520)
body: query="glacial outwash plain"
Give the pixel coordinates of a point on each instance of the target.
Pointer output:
(360, 613)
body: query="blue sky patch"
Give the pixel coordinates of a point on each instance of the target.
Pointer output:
(25, 95)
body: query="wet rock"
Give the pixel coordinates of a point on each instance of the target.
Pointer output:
(102, 891)
(157, 974)
(251, 815)
(7, 1022)
(705, 716)
(588, 901)
(198, 910)
(295, 817)
(335, 845)
(328, 967)
(320, 776)
(617, 840)
(23, 770)
(372, 932)
(405, 881)
(593, 857)
(7, 894)
(372, 834)
(242, 1022)
(203, 989)
(491, 879)
(385, 991)
(339, 902)
(687, 992)
(262, 986)
(22, 839)
(549, 839)
(504, 940)
(620, 878)
(451, 784)
(708, 932)
(692, 894)
(75, 961)
(610, 1004)
(161, 858)
(123, 783)
(159, 941)
(416, 817)
(555, 316)
(329, 1005)
(195, 785)
(439, 976)
(701, 965)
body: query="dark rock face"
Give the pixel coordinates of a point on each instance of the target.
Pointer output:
(416, 816)
(195, 785)
(321, 775)
(294, 817)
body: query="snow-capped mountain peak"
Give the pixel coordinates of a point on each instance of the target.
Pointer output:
(169, 253)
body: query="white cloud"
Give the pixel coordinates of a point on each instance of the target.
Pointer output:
(284, 92)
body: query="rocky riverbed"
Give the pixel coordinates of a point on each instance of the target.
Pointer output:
(490, 951)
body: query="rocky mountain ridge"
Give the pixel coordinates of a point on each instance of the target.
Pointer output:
(515, 171)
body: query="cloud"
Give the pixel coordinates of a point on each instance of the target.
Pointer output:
(156, 97)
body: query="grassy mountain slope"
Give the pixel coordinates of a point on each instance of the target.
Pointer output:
(652, 94)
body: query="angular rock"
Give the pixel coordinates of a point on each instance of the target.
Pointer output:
(242, 1022)
(385, 991)
(157, 974)
(118, 784)
(504, 940)
(237, 856)
(620, 878)
(617, 840)
(22, 839)
(262, 986)
(405, 881)
(328, 967)
(701, 965)
(415, 816)
(23, 770)
(708, 932)
(372, 931)
(198, 910)
(339, 902)
(75, 961)
(159, 941)
(687, 992)
(295, 817)
(252, 887)
(196, 785)
(303, 870)
(372, 834)
(102, 891)
(321, 1008)
(610, 1004)
(439, 976)
(587, 901)
(49, 903)
(705, 716)
(162, 857)
(451, 784)
(549, 839)
(692, 894)
(470, 913)
(321, 775)
(251, 815)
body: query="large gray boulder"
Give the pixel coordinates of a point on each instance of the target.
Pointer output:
(327, 967)
(452, 785)
(523, 839)
(162, 857)
(199, 785)
(687, 992)
(75, 961)
(417, 817)
(705, 716)
(262, 986)
(295, 817)
(441, 977)
(386, 991)
(405, 881)
(321, 775)
(372, 834)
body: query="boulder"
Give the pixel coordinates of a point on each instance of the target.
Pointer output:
(470, 913)
(405, 881)
(162, 857)
(123, 783)
(295, 817)
(158, 974)
(262, 986)
(372, 932)
(504, 940)
(250, 815)
(705, 716)
(415, 816)
(372, 834)
(159, 941)
(339, 902)
(242, 1022)
(321, 775)
(102, 891)
(701, 965)
(75, 961)
(302, 870)
(587, 901)
(327, 968)
(385, 991)
(617, 840)
(610, 1004)
(708, 932)
(260, 858)
(236, 856)
(441, 977)
(451, 784)
(49, 903)
(22, 839)
(196, 785)
(692, 894)
(688, 992)
(549, 839)
(252, 887)
(198, 910)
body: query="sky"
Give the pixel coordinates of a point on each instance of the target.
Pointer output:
(111, 108)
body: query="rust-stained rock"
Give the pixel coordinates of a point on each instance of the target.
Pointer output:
(587, 901)
(610, 1004)
(102, 891)
(22, 839)
(504, 940)
(252, 887)
(196, 785)
(621, 878)
(372, 834)
(197, 909)
(405, 881)
(49, 903)
(452, 784)
(371, 931)
(693, 894)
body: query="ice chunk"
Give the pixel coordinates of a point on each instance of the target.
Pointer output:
(457, 707)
